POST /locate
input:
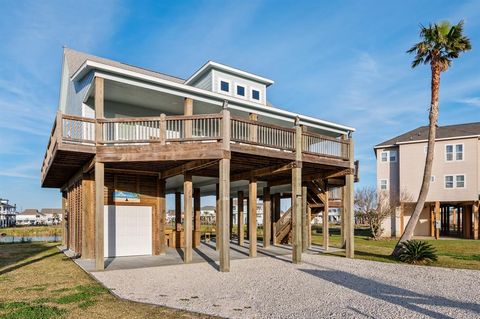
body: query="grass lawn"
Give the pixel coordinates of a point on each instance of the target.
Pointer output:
(452, 253)
(33, 231)
(38, 281)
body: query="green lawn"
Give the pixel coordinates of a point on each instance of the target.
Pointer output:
(38, 281)
(452, 253)
(32, 231)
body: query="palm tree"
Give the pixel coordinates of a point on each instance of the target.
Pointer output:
(440, 44)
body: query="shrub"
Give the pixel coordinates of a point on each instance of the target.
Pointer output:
(417, 252)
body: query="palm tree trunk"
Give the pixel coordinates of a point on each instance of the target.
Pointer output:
(427, 173)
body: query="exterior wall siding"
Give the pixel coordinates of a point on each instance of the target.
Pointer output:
(205, 82)
(234, 80)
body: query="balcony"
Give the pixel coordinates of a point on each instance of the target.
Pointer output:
(74, 137)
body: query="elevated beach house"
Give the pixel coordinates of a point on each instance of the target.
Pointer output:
(124, 137)
(452, 206)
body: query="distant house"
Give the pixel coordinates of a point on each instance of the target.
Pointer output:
(51, 216)
(452, 205)
(29, 217)
(7, 213)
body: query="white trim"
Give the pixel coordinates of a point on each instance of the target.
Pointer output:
(253, 107)
(219, 83)
(389, 155)
(439, 139)
(223, 67)
(454, 152)
(259, 94)
(455, 181)
(245, 88)
(380, 184)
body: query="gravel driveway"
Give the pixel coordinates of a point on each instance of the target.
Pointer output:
(320, 287)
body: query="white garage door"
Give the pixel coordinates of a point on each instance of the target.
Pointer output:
(128, 230)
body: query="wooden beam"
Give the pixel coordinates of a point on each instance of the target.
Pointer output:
(99, 108)
(297, 199)
(162, 216)
(196, 217)
(267, 219)
(88, 218)
(187, 208)
(218, 241)
(178, 212)
(99, 216)
(184, 168)
(437, 219)
(224, 190)
(349, 213)
(240, 222)
(64, 219)
(309, 219)
(476, 221)
(325, 230)
(305, 221)
(188, 110)
(271, 170)
(252, 217)
(230, 215)
(276, 216)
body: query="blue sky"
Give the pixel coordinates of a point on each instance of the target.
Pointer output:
(342, 61)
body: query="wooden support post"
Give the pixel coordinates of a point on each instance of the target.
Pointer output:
(476, 220)
(247, 233)
(309, 218)
(224, 192)
(230, 230)
(196, 217)
(437, 219)
(64, 220)
(432, 220)
(188, 110)
(218, 241)
(162, 215)
(99, 216)
(266, 217)
(342, 217)
(240, 222)
(178, 211)
(224, 179)
(88, 218)
(187, 210)
(99, 177)
(305, 223)
(468, 221)
(253, 128)
(325, 230)
(297, 198)
(252, 217)
(276, 217)
(349, 213)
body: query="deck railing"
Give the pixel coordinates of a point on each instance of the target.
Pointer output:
(324, 145)
(176, 129)
(258, 133)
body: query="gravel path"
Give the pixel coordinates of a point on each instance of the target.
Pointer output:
(320, 287)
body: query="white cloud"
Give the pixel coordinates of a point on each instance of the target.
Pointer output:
(475, 101)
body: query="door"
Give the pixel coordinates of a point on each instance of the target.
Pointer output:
(128, 230)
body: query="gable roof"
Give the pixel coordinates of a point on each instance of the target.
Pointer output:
(30, 211)
(75, 59)
(421, 133)
(52, 211)
(222, 67)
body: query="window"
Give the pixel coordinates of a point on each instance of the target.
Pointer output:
(449, 181)
(240, 90)
(460, 181)
(225, 86)
(432, 178)
(256, 95)
(388, 156)
(384, 156)
(449, 152)
(454, 152)
(459, 152)
(393, 156)
(383, 184)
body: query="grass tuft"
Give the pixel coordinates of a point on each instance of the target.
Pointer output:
(35, 312)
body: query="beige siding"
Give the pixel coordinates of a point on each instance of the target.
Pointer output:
(423, 226)
(389, 171)
(412, 162)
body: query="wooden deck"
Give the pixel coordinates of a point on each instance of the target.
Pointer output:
(150, 143)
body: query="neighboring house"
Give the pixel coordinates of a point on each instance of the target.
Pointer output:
(8, 213)
(51, 216)
(453, 198)
(136, 135)
(30, 217)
